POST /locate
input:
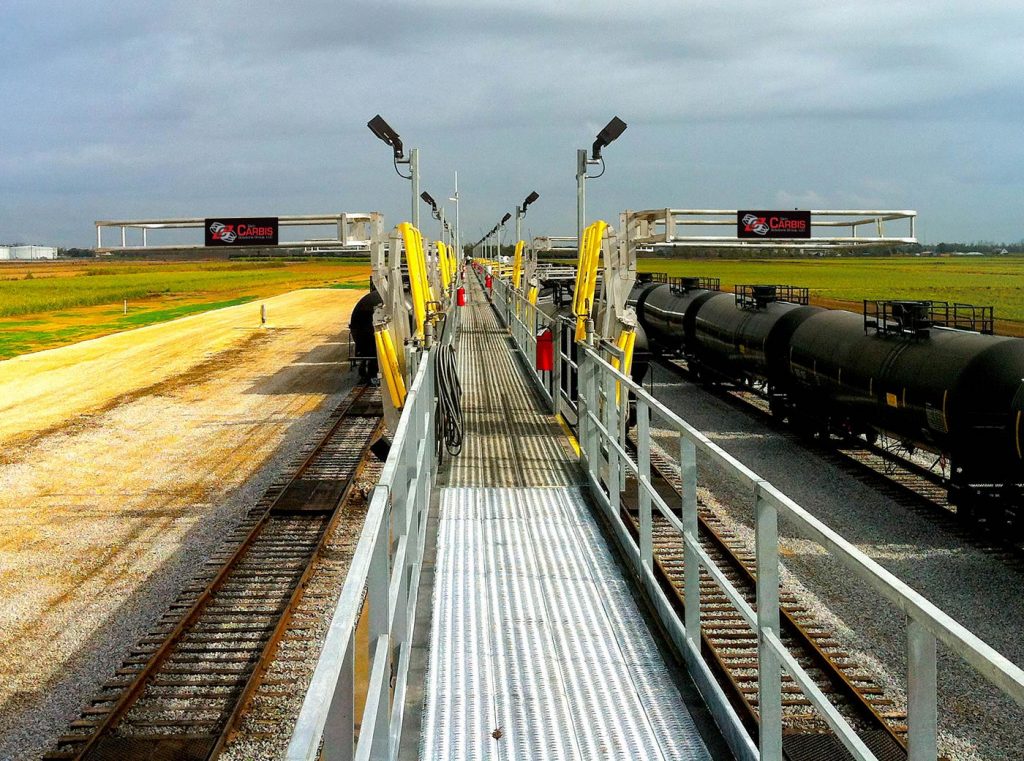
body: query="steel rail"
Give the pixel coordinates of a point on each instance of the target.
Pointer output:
(135, 688)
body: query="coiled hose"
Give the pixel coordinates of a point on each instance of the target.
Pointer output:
(448, 426)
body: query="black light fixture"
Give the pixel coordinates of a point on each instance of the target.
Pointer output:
(429, 200)
(504, 219)
(386, 134)
(607, 136)
(521, 210)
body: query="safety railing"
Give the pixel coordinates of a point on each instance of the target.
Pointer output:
(525, 322)
(610, 468)
(383, 578)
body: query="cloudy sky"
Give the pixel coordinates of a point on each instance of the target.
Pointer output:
(127, 109)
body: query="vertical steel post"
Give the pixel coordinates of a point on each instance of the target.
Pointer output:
(458, 232)
(519, 225)
(611, 425)
(581, 194)
(769, 684)
(691, 565)
(122, 237)
(922, 711)
(556, 367)
(144, 241)
(643, 461)
(99, 236)
(414, 173)
(340, 730)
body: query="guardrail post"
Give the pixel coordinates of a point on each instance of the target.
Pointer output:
(589, 379)
(556, 368)
(769, 684)
(340, 730)
(611, 425)
(378, 584)
(922, 712)
(691, 564)
(643, 461)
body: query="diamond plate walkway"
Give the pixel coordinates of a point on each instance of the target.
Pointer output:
(537, 648)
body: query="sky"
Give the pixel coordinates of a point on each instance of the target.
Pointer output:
(121, 109)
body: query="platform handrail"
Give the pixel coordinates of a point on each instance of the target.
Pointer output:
(525, 321)
(606, 460)
(383, 574)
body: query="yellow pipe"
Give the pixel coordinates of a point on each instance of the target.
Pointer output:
(586, 276)
(388, 361)
(517, 265)
(418, 282)
(444, 265)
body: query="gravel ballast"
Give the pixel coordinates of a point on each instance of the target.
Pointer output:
(104, 519)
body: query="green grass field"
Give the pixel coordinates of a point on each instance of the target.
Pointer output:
(48, 287)
(985, 281)
(49, 304)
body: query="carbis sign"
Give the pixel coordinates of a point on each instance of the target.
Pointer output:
(757, 225)
(241, 231)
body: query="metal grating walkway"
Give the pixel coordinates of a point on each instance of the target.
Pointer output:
(537, 648)
(509, 441)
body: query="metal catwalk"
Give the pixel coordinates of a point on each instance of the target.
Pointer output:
(537, 648)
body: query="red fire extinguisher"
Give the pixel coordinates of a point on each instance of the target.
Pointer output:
(488, 282)
(545, 351)
(460, 297)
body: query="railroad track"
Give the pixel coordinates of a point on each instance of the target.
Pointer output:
(910, 484)
(731, 645)
(184, 687)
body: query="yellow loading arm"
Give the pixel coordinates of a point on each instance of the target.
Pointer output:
(445, 265)
(419, 283)
(586, 275)
(517, 266)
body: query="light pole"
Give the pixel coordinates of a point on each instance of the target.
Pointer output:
(521, 212)
(458, 233)
(500, 227)
(383, 131)
(605, 137)
(435, 212)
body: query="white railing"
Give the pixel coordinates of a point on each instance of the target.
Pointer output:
(604, 395)
(525, 321)
(383, 578)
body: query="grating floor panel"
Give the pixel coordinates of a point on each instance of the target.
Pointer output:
(537, 649)
(509, 441)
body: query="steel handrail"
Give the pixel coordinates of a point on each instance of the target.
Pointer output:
(603, 454)
(384, 571)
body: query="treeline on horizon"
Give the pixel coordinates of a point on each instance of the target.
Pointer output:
(987, 248)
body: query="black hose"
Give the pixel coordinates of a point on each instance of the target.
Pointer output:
(448, 426)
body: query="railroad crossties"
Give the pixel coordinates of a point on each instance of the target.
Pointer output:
(125, 461)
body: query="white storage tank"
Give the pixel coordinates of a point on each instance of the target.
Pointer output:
(5, 253)
(33, 252)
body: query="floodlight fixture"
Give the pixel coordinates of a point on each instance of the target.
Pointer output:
(386, 134)
(428, 199)
(530, 199)
(607, 136)
(505, 219)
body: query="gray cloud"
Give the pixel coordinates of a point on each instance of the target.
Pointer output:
(122, 109)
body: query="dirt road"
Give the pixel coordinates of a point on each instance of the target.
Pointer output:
(123, 460)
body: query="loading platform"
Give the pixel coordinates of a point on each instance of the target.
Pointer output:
(512, 613)
(537, 648)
